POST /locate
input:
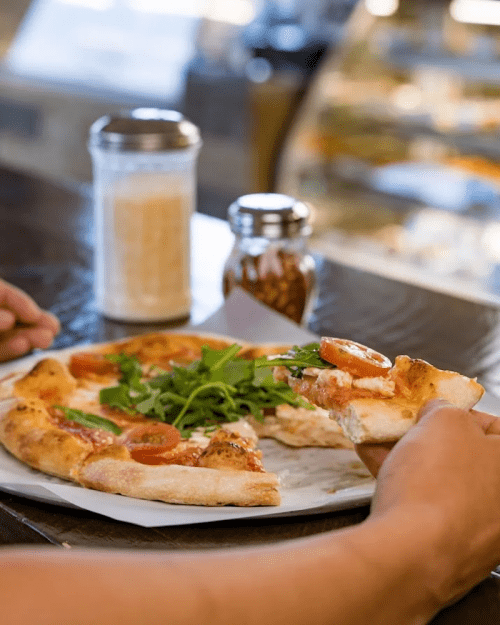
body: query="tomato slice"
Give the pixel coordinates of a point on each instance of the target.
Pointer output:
(152, 439)
(353, 357)
(185, 458)
(145, 458)
(84, 363)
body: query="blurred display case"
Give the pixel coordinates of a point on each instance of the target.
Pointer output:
(397, 145)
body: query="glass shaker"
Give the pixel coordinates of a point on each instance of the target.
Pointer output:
(144, 164)
(270, 258)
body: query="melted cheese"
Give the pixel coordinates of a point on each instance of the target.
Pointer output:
(339, 378)
(381, 385)
(243, 429)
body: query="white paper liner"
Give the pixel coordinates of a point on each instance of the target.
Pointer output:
(312, 479)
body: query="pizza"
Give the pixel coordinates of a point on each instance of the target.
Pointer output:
(372, 399)
(164, 416)
(301, 427)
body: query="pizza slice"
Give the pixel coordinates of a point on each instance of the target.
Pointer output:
(371, 399)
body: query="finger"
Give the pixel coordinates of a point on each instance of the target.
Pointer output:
(21, 304)
(373, 455)
(14, 347)
(7, 320)
(38, 336)
(490, 424)
(431, 407)
(21, 341)
(49, 321)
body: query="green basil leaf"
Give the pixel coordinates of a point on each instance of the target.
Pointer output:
(89, 420)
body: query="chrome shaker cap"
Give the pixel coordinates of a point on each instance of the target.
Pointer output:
(270, 215)
(144, 130)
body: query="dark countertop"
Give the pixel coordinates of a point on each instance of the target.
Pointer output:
(46, 249)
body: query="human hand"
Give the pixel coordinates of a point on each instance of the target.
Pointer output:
(445, 472)
(23, 324)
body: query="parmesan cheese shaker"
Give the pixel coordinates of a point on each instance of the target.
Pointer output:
(270, 258)
(144, 166)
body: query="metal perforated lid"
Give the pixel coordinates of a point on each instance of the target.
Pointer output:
(144, 130)
(270, 215)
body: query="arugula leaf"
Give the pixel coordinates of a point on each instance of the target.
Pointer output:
(223, 388)
(214, 359)
(117, 397)
(150, 403)
(131, 370)
(238, 371)
(89, 420)
(297, 359)
(218, 388)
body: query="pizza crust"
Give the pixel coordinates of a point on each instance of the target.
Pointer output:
(251, 352)
(49, 380)
(179, 484)
(27, 431)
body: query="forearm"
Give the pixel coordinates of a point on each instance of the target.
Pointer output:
(368, 574)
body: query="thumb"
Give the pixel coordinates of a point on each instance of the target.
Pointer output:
(373, 455)
(490, 424)
(433, 406)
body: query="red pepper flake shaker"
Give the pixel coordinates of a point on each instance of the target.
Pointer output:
(270, 258)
